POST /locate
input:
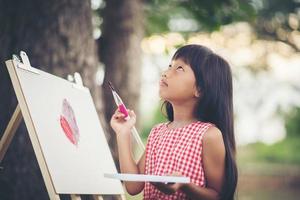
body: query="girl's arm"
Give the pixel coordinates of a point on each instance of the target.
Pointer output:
(127, 163)
(214, 168)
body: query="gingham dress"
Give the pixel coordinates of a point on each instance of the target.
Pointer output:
(175, 150)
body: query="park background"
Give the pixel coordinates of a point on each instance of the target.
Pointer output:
(131, 42)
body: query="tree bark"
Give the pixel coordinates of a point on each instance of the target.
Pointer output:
(120, 52)
(57, 36)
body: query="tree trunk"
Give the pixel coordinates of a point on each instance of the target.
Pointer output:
(120, 52)
(57, 36)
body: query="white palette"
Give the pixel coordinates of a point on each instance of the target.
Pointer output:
(148, 178)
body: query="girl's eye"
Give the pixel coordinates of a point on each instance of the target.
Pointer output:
(179, 68)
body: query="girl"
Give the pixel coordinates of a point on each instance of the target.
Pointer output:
(198, 141)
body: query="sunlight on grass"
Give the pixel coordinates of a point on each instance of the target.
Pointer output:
(136, 197)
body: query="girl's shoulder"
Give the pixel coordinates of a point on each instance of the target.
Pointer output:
(201, 127)
(213, 133)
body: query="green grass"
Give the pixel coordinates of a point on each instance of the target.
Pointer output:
(136, 197)
(285, 151)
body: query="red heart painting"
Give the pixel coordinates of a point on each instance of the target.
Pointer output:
(68, 123)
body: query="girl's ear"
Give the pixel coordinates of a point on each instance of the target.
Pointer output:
(197, 93)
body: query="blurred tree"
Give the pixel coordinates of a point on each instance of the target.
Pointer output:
(278, 20)
(120, 52)
(57, 36)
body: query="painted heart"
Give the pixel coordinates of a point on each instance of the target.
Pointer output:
(68, 123)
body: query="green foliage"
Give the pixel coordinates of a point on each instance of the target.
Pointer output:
(272, 8)
(282, 152)
(292, 124)
(209, 15)
(213, 14)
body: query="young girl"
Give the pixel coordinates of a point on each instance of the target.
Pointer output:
(198, 141)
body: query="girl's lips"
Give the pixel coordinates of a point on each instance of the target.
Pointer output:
(163, 83)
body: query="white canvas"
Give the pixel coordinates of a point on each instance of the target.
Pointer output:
(76, 164)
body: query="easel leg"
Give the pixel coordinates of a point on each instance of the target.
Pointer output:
(75, 197)
(10, 131)
(97, 197)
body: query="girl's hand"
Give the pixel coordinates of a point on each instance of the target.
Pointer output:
(169, 188)
(119, 124)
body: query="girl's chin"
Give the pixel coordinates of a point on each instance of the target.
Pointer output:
(163, 97)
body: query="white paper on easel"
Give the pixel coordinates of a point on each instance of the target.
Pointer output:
(69, 133)
(148, 178)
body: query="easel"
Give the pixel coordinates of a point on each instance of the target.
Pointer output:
(24, 113)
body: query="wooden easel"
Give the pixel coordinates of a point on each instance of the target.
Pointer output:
(13, 126)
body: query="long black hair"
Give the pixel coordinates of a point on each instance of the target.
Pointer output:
(214, 81)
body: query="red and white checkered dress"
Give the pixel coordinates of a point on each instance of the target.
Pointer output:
(175, 150)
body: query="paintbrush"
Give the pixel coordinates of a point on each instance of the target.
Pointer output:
(122, 108)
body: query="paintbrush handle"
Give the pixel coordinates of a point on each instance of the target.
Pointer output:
(122, 108)
(137, 138)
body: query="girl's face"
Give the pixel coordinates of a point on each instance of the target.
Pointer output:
(178, 83)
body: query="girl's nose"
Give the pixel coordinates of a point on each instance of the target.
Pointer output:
(164, 74)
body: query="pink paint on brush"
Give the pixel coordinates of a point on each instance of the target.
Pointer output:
(123, 110)
(119, 102)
